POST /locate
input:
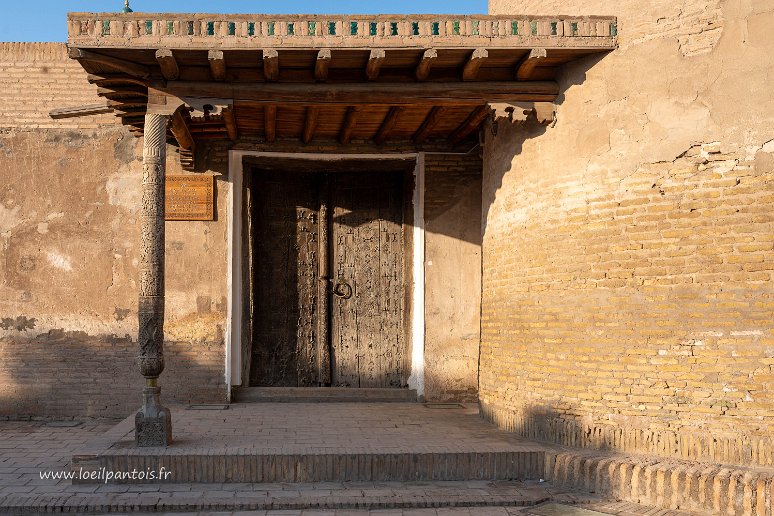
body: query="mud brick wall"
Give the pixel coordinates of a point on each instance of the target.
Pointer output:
(628, 250)
(69, 235)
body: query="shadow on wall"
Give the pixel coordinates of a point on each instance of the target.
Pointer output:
(503, 148)
(72, 374)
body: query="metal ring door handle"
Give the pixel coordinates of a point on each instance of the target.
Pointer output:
(342, 289)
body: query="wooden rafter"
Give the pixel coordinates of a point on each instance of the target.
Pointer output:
(374, 66)
(217, 64)
(271, 64)
(476, 59)
(527, 65)
(350, 121)
(322, 64)
(168, 64)
(432, 119)
(470, 124)
(388, 125)
(425, 64)
(181, 132)
(229, 120)
(72, 112)
(312, 113)
(115, 64)
(270, 123)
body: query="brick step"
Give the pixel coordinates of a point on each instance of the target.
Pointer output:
(348, 466)
(274, 497)
(321, 394)
(708, 489)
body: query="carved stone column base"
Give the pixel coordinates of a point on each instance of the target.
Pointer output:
(153, 423)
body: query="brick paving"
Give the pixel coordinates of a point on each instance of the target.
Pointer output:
(26, 448)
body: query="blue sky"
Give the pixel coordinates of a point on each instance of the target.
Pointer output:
(44, 20)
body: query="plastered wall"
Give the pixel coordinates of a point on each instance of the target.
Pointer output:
(69, 233)
(628, 250)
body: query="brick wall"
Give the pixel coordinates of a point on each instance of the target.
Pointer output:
(38, 77)
(628, 284)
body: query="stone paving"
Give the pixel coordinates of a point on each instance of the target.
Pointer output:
(27, 448)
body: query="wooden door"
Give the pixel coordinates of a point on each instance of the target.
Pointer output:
(285, 222)
(367, 338)
(328, 280)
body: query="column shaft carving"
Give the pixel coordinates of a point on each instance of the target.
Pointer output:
(153, 425)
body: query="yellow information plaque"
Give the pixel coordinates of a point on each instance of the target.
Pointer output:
(190, 197)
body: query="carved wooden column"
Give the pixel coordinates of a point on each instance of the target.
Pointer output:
(153, 424)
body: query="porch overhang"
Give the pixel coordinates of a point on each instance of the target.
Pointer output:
(412, 79)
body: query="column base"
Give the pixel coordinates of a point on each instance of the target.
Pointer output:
(152, 423)
(153, 430)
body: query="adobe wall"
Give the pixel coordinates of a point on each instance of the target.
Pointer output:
(628, 250)
(69, 233)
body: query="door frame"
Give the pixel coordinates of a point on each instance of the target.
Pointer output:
(235, 287)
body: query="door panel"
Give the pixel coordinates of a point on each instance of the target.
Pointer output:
(286, 235)
(367, 347)
(304, 334)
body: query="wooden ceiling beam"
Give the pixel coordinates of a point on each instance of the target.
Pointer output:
(322, 64)
(217, 65)
(433, 117)
(350, 121)
(270, 123)
(476, 59)
(112, 80)
(114, 63)
(73, 112)
(388, 125)
(310, 124)
(229, 119)
(271, 64)
(425, 64)
(470, 124)
(527, 65)
(181, 132)
(168, 64)
(433, 93)
(374, 66)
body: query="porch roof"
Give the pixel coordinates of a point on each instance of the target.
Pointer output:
(373, 78)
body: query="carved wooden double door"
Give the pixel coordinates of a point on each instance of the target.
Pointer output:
(328, 304)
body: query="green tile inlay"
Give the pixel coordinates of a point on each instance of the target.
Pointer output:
(456, 27)
(231, 29)
(106, 27)
(436, 28)
(614, 29)
(372, 28)
(393, 29)
(210, 28)
(270, 27)
(415, 28)
(475, 27)
(515, 28)
(291, 29)
(553, 28)
(312, 28)
(574, 28)
(533, 28)
(353, 28)
(190, 27)
(149, 27)
(332, 28)
(251, 28)
(170, 28)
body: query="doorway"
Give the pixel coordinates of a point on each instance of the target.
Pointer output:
(328, 253)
